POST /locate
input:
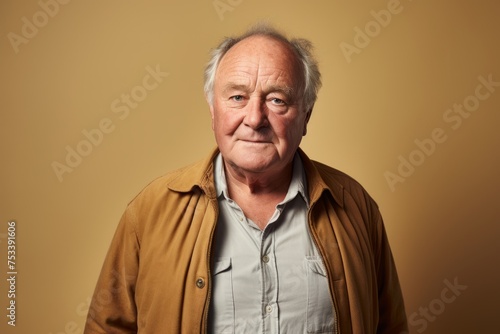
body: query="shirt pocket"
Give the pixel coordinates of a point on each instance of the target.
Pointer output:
(222, 304)
(320, 314)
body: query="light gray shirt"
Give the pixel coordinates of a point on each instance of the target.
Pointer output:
(271, 280)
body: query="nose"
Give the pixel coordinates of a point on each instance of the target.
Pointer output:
(256, 114)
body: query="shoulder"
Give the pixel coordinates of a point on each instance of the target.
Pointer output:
(350, 197)
(345, 190)
(335, 178)
(193, 178)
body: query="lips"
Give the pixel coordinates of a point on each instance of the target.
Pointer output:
(254, 141)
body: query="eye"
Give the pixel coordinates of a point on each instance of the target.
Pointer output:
(236, 98)
(277, 101)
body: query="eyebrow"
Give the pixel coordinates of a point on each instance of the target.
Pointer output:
(286, 90)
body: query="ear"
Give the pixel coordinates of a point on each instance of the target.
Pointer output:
(308, 116)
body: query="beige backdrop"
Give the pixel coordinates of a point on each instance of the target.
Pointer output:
(409, 107)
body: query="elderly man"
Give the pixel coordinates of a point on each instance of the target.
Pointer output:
(256, 238)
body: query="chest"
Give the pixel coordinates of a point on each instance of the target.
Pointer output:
(271, 280)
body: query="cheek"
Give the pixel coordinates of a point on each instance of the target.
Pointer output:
(293, 133)
(225, 123)
(292, 128)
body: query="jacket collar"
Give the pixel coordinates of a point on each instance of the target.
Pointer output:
(316, 181)
(201, 175)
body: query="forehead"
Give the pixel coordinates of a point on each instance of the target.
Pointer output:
(260, 57)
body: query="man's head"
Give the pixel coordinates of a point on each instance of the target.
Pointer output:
(261, 88)
(301, 47)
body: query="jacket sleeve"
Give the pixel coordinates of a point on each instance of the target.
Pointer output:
(392, 315)
(113, 309)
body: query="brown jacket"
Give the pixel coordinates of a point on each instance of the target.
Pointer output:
(156, 275)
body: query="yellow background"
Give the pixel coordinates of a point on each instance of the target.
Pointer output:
(442, 221)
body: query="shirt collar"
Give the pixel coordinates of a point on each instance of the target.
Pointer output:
(298, 184)
(220, 177)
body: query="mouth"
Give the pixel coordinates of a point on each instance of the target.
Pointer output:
(255, 141)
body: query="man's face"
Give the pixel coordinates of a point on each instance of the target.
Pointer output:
(257, 113)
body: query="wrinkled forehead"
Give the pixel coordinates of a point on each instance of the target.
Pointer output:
(261, 56)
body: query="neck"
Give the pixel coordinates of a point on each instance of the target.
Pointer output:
(258, 183)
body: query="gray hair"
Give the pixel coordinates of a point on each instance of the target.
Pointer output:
(301, 47)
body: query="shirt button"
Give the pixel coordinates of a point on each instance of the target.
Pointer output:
(265, 259)
(200, 283)
(269, 308)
